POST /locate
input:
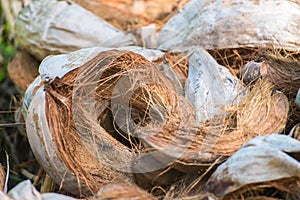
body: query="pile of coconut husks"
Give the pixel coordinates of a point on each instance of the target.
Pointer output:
(153, 99)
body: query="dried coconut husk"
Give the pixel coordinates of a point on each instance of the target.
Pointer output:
(260, 113)
(294, 113)
(217, 24)
(52, 27)
(131, 14)
(283, 72)
(2, 178)
(237, 58)
(278, 66)
(175, 66)
(60, 125)
(210, 86)
(25, 191)
(23, 69)
(263, 162)
(138, 95)
(73, 167)
(122, 191)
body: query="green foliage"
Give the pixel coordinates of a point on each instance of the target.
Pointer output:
(7, 50)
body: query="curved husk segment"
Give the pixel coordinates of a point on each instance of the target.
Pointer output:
(261, 112)
(131, 14)
(123, 92)
(262, 163)
(89, 171)
(51, 27)
(122, 191)
(283, 72)
(215, 24)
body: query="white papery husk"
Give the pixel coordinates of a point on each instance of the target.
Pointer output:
(211, 86)
(26, 191)
(218, 24)
(48, 27)
(261, 160)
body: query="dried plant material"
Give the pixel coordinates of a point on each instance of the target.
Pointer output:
(60, 65)
(26, 191)
(263, 162)
(217, 24)
(175, 65)
(58, 147)
(122, 191)
(294, 112)
(23, 69)
(131, 14)
(269, 116)
(235, 58)
(210, 86)
(2, 178)
(52, 27)
(58, 139)
(197, 145)
(283, 72)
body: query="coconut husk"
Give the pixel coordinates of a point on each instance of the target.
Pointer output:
(62, 153)
(271, 162)
(73, 124)
(175, 66)
(52, 27)
(25, 190)
(210, 86)
(283, 72)
(130, 86)
(208, 24)
(103, 117)
(23, 69)
(131, 14)
(2, 178)
(122, 191)
(260, 113)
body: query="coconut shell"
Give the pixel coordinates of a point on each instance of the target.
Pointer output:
(271, 161)
(52, 27)
(122, 191)
(217, 24)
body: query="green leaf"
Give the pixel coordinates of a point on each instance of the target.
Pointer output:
(2, 76)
